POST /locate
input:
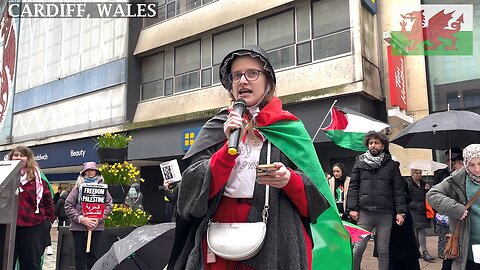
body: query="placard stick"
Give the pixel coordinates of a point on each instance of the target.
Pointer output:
(89, 240)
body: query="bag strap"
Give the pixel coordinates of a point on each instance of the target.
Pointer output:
(267, 187)
(469, 204)
(472, 200)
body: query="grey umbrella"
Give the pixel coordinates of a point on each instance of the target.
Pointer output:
(146, 247)
(441, 131)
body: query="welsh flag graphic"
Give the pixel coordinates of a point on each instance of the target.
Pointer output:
(432, 30)
(348, 128)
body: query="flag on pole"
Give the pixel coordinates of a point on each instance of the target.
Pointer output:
(347, 128)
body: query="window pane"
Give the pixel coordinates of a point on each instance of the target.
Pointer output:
(331, 45)
(168, 87)
(207, 52)
(471, 98)
(170, 10)
(169, 63)
(282, 58)
(186, 5)
(226, 42)
(303, 23)
(304, 53)
(187, 58)
(330, 16)
(250, 34)
(152, 68)
(153, 89)
(276, 32)
(216, 75)
(187, 81)
(206, 77)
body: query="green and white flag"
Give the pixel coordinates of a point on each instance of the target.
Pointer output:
(432, 30)
(348, 128)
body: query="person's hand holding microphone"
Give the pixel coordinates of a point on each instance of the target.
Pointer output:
(233, 127)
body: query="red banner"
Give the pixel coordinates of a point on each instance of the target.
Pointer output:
(397, 76)
(93, 200)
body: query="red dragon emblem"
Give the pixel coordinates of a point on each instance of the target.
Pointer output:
(438, 27)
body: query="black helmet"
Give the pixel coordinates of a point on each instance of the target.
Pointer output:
(254, 51)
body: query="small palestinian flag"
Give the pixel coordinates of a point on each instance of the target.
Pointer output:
(348, 128)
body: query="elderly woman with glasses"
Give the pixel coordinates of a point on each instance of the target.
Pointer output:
(214, 174)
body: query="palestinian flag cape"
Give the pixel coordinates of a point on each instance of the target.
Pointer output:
(332, 245)
(348, 128)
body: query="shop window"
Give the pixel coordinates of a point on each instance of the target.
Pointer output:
(471, 98)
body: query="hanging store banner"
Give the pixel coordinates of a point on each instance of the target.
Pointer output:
(397, 77)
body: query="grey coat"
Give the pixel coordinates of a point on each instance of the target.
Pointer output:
(73, 208)
(284, 246)
(449, 197)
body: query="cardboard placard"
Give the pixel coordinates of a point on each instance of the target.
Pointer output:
(93, 200)
(170, 171)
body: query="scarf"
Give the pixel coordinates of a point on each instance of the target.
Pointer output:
(470, 152)
(86, 180)
(372, 162)
(38, 185)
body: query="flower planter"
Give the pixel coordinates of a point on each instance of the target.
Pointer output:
(118, 193)
(111, 155)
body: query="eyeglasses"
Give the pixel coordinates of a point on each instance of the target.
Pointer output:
(251, 75)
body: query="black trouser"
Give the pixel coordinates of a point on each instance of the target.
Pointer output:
(80, 243)
(30, 243)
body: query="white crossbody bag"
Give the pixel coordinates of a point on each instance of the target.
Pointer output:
(239, 241)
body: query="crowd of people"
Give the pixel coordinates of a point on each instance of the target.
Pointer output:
(222, 186)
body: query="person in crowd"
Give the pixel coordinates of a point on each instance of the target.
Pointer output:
(376, 195)
(56, 196)
(135, 197)
(79, 224)
(213, 173)
(416, 206)
(339, 185)
(60, 210)
(403, 250)
(454, 158)
(170, 198)
(451, 196)
(35, 211)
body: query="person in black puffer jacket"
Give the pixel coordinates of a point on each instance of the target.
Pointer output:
(376, 195)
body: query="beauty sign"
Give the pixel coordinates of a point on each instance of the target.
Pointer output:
(93, 200)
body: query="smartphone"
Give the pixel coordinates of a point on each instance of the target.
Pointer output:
(263, 168)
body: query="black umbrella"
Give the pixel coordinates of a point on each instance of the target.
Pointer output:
(441, 131)
(146, 248)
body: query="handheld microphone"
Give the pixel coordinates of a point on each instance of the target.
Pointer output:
(239, 107)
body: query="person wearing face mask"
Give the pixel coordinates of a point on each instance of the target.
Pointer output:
(376, 196)
(450, 198)
(35, 211)
(79, 225)
(294, 200)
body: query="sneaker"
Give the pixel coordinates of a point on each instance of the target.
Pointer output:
(427, 257)
(49, 250)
